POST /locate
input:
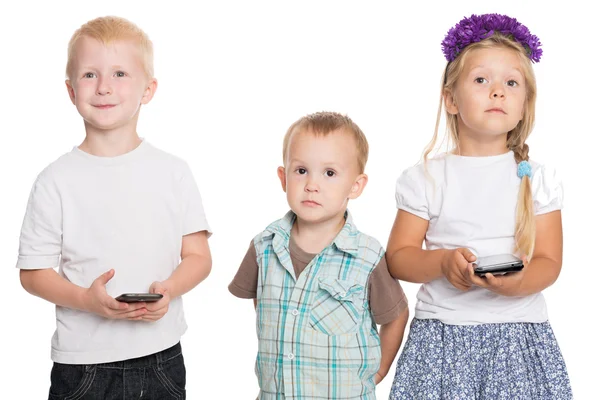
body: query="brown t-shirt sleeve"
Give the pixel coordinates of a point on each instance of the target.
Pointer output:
(245, 281)
(386, 297)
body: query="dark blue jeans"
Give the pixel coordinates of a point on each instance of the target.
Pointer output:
(153, 377)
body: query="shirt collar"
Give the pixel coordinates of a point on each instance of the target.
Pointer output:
(346, 240)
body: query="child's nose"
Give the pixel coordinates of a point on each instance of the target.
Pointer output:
(311, 186)
(103, 87)
(497, 92)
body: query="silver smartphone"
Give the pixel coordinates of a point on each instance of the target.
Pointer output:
(497, 265)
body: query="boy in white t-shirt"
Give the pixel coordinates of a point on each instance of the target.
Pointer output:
(116, 215)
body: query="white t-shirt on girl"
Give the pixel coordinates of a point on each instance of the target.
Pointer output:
(88, 214)
(471, 202)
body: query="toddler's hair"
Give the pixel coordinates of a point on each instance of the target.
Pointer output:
(323, 123)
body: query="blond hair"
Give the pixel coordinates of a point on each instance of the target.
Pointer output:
(323, 123)
(525, 218)
(110, 29)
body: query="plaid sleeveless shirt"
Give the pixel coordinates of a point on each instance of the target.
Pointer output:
(317, 338)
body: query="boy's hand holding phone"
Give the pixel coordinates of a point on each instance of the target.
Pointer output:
(157, 309)
(97, 301)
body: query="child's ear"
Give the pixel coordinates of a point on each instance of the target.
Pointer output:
(149, 91)
(358, 186)
(281, 175)
(450, 103)
(70, 90)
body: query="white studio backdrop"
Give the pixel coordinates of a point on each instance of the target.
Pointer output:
(233, 76)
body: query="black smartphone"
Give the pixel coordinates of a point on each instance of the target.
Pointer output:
(135, 297)
(497, 265)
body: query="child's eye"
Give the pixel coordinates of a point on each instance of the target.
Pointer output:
(301, 171)
(120, 74)
(330, 173)
(512, 83)
(89, 75)
(480, 80)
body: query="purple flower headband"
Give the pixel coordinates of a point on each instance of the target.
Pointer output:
(478, 27)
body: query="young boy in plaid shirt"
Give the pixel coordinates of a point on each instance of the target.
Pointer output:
(319, 285)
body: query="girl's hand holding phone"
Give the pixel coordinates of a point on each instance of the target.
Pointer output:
(507, 285)
(455, 267)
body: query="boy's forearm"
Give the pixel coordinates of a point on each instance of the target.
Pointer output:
(192, 270)
(391, 335)
(50, 286)
(412, 264)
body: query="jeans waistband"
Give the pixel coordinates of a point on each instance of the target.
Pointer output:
(145, 361)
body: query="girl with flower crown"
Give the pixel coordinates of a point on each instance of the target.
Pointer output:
(481, 337)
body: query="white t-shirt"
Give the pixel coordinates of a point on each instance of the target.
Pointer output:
(471, 202)
(88, 214)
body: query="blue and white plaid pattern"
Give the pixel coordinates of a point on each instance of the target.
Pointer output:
(317, 339)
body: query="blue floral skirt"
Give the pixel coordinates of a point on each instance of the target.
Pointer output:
(489, 361)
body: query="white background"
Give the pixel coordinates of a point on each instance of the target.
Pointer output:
(232, 77)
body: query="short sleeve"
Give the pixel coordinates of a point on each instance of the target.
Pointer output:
(245, 282)
(410, 192)
(40, 242)
(386, 297)
(194, 219)
(547, 190)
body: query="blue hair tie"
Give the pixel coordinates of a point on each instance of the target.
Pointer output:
(524, 169)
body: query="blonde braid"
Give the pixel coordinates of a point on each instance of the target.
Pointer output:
(525, 216)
